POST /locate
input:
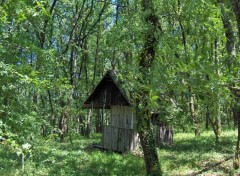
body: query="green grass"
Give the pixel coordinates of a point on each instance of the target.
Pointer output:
(187, 155)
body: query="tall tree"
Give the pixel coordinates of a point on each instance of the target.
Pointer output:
(235, 89)
(143, 112)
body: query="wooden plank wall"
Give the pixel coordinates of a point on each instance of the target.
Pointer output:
(119, 135)
(119, 139)
(122, 117)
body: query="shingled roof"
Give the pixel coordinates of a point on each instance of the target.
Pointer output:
(108, 92)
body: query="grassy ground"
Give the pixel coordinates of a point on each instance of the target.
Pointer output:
(186, 156)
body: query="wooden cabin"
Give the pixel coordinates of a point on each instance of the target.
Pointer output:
(119, 134)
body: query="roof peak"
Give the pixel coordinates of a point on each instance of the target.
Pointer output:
(107, 92)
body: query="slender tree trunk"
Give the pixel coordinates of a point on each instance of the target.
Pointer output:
(207, 118)
(235, 116)
(73, 68)
(236, 162)
(53, 119)
(89, 126)
(217, 103)
(194, 113)
(236, 9)
(215, 130)
(98, 123)
(81, 125)
(95, 59)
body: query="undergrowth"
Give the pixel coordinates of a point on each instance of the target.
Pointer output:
(186, 156)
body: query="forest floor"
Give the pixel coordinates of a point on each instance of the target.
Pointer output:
(188, 155)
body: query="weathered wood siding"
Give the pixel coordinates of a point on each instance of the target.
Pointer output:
(119, 139)
(119, 135)
(122, 117)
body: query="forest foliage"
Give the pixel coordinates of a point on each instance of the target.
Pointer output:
(53, 53)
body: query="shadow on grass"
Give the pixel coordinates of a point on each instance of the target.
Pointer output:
(202, 144)
(196, 153)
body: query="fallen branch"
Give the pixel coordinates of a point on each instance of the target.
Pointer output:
(211, 166)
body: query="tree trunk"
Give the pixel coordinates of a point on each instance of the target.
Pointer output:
(236, 9)
(98, 122)
(215, 130)
(73, 68)
(63, 125)
(207, 118)
(89, 126)
(237, 153)
(230, 44)
(217, 103)
(194, 113)
(142, 109)
(150, 154)
(81, 125)
(147, 139)
(53, 119)
(235, 117)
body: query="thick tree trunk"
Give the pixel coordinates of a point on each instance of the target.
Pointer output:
(230, 44)
(143, 112)
(150, 154)
(232, 54)
(147, 140)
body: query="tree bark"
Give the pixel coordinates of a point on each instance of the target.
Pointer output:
(217, 104)
(207, 118)
(98, 122)
(236, 9)
(237, 154)
(230, 44)
(143, 113)
(89, 125)
(63, 125)
(194, 113)
(235, 117)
